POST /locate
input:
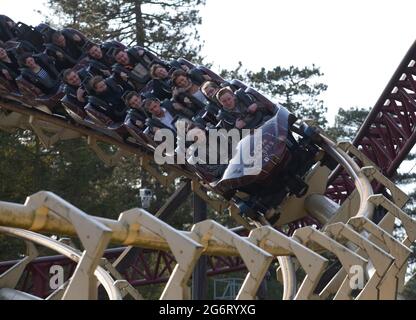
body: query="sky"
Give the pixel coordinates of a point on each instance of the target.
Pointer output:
(357, 44)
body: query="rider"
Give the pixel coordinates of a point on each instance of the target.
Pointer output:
(100, 64)
(43, 77)
(161, 84)
(65, 51)
(111, 94)
(238, 111)
(6, 28)
(136, 113)
(73, 87)
(160, 112)
(9, 67)
(134, 64)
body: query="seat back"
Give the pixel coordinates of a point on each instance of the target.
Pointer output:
(46, 31)
(6, 32)
(29, 34)
(215, 77)
(262, 99)
(74, 108)
(98, 117)
(26, 87)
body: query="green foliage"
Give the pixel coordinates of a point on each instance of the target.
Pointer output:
(297, 89)
(409, 292)
(167, 26)
(347, 123)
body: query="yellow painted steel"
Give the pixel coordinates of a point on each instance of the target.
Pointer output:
(20, 216)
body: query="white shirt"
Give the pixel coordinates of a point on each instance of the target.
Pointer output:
(166, 119)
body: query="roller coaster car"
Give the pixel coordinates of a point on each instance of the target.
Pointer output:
(215, 77)
(111, 45)
(184, 62)
(141, 78)
(260, 186)
(46, 31)
(69, 33)
(6, 86)
(96, 111)
(30, 36)
(235, 84)
(74, 109)
(139, 136)
(32, 95)
(271, 107)
(6, 31)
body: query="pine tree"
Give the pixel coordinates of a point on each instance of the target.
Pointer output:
(347, 123)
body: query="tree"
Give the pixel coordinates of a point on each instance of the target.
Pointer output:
(297, 89)
(166, 26)
(347, 123)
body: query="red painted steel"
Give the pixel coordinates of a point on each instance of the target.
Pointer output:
(389, 132)
(149, 267)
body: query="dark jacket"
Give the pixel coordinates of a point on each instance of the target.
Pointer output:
(134, 115)
(113, 106)
(240, 112)
(6, 33)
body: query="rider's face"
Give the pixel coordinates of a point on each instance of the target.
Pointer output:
(161, 73)
(122, 58)
(3, 54)
(155, 109)
(95, 52)
(73, 79)
(30, 63)
(135, 102)
(100, 87)
(210, 92)
(60, 41)
(227, 100)
(182, 82)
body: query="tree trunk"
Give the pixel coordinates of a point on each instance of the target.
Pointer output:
(140, 32)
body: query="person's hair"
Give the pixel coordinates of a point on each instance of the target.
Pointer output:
(153, 69)
(94, 81)
(2, 45)
(88, 45)
(223, 92)
(128, 95)
(22, 58)
(66, 73)
(209, 84)
(116, 51)
(148, 101)
(55, 36)
(178, 73)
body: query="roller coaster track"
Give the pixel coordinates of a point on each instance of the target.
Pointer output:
(348, 232)
(358, 244)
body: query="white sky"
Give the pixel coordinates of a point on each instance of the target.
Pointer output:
(357, 44)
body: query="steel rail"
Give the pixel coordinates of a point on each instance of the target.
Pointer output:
(366, 209)
(102, 275)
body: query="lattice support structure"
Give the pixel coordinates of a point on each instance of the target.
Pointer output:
(389, 132)
(381, 257)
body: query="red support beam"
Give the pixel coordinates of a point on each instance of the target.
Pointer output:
(389, 132)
